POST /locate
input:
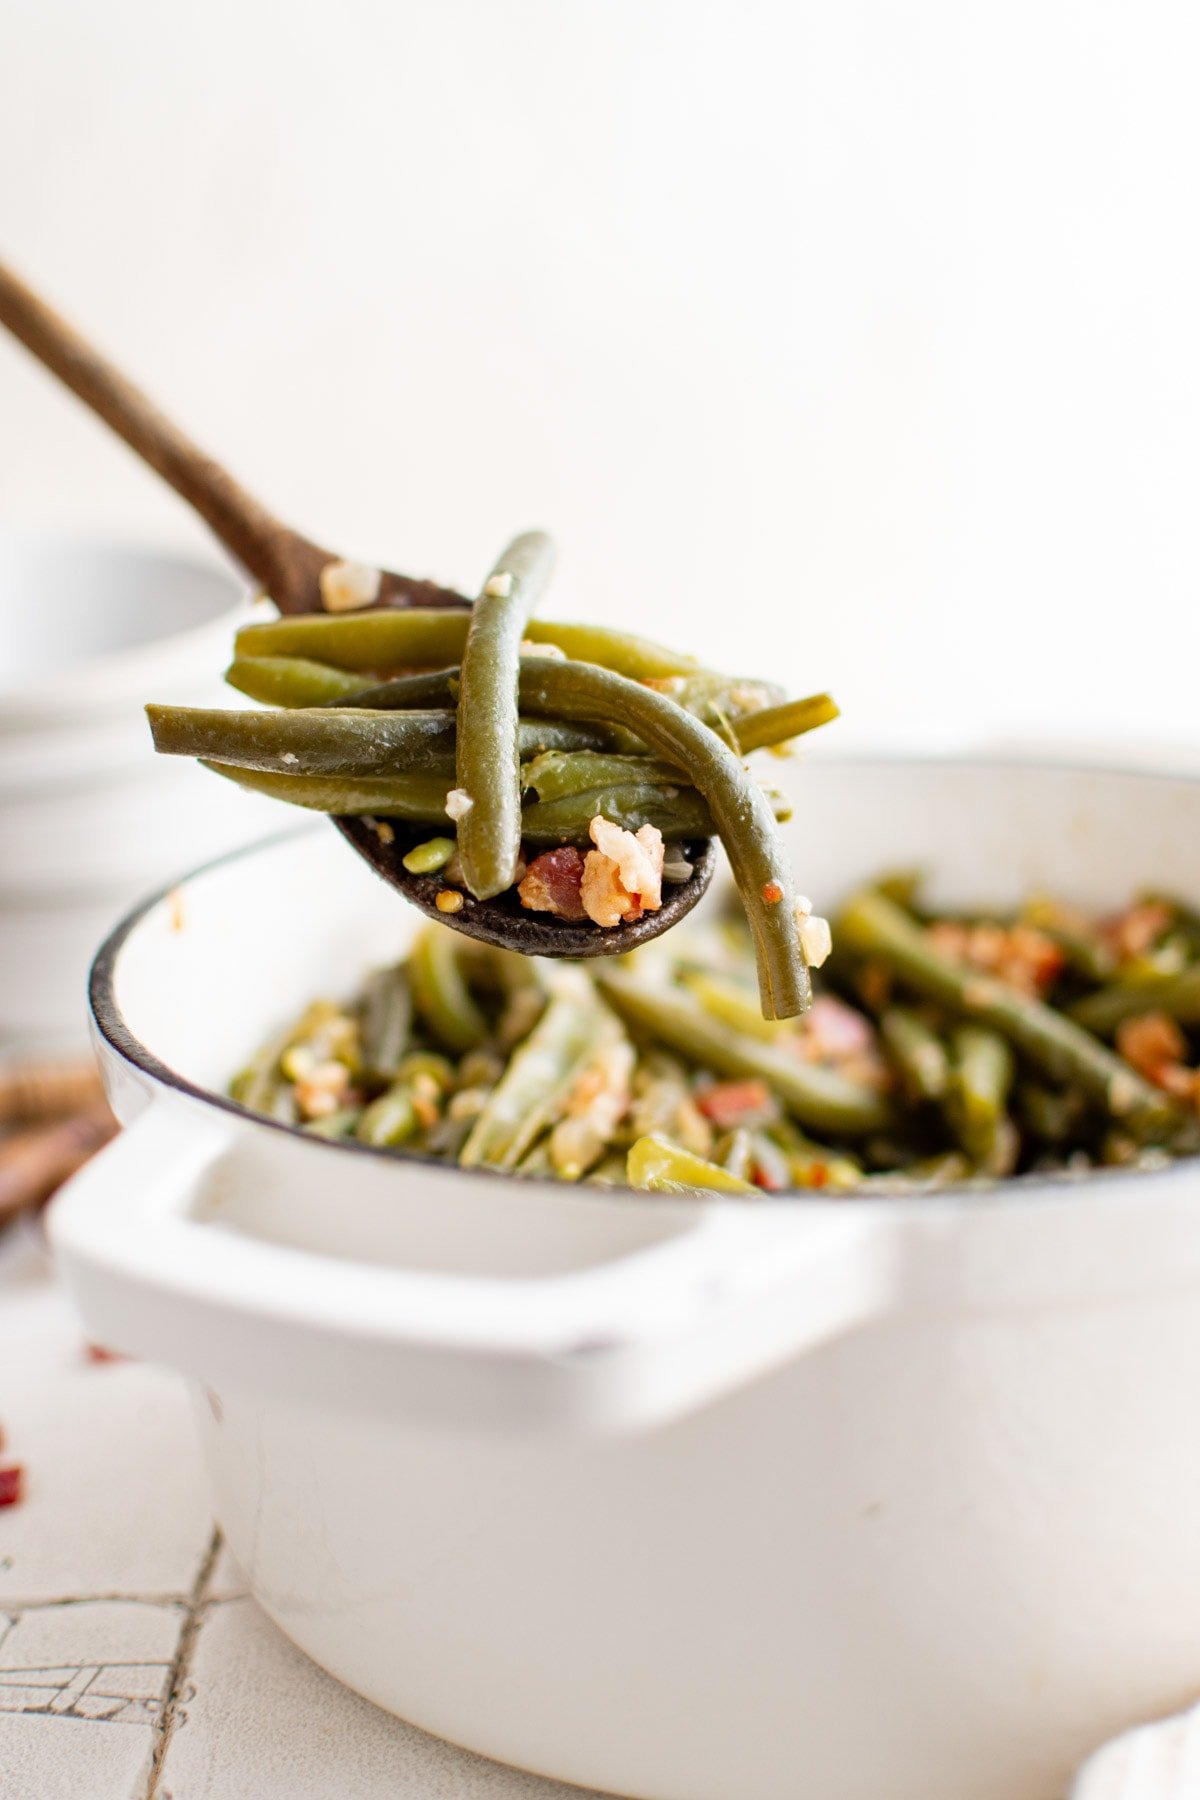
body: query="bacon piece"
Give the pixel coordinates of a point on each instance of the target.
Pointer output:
(1155, 1046)
(622, 876)
(552, 883)
(732, 1103)
(12, 1485)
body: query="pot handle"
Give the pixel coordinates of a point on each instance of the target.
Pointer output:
(645, 1337)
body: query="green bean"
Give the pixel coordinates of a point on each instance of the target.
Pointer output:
(440, 992)
(550, 822)
(261, 1086)
(386, 1022)
(733, 1003)
(429, 857)
(1176, 995)
(981, 1077)
(814, 1095)
(1187, 918)
(488, 760)
(872, 926)
(1056, 1115)
(424, 638)
(540, 1075)
(324, 741)
(557, 774)
(435, 689)
(293, 681)
(773, 725)
(337, 1124)
(740, 811)
(659, 1167)
(917, 1052)
(391, 1119)
(417, 799)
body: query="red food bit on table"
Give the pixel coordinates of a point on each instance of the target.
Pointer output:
(12, 1484)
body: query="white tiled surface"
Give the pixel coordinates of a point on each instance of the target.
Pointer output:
(132, 1665)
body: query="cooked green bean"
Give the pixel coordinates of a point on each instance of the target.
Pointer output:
(872, 926)
(487, 794)
(440, 992)
(547, 823)
(773, 725)
(429, 857)
(386, 1022)
(557, 774)
(735, 1004)
(528, 1095)
(976, 1100)
(293, 681)
(1176, 995)
(390, 1120)
(813, 1094)
(417, 799)
(424, 638)
(917, 1051)
(739, 809)
(660, 1167)
(324, 741)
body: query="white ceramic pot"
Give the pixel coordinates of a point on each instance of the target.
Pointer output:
(687, 1500)
(89, 816)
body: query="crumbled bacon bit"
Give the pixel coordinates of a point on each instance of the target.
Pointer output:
(730, 1104)
(99, 1353)
(836, 1030)
(622, 876)
(12, 1484)
(1020, 955)
(1137, 929)
(772, 893)
(1154, 1045)
(552, 883)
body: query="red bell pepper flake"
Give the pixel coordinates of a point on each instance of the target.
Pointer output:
(12, 1485)
(732, 1103)
(99, 1353)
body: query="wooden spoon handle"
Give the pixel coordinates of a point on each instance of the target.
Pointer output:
(285, 564)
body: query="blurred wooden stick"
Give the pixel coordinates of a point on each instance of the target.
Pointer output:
(33, 1090)
(34, 1162)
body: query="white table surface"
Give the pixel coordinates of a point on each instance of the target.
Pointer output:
(133, 1666)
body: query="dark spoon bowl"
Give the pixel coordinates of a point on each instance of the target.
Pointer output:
(503, 921)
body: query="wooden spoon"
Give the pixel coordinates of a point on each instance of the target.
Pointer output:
(288, 567)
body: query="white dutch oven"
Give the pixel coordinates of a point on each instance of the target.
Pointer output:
(845, 1500)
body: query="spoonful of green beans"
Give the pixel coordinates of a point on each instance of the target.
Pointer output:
(552, 789)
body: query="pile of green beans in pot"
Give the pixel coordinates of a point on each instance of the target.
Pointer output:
(940, 1050)
(509, 738)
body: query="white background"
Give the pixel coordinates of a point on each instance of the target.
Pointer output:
(852, 341)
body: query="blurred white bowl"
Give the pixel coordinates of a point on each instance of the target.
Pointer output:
(89, 631)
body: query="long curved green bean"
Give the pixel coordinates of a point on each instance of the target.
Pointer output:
(425, 638)
(815, 1096)
(488, 759)
(873, 926)
(345, 741)
(740, 810)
